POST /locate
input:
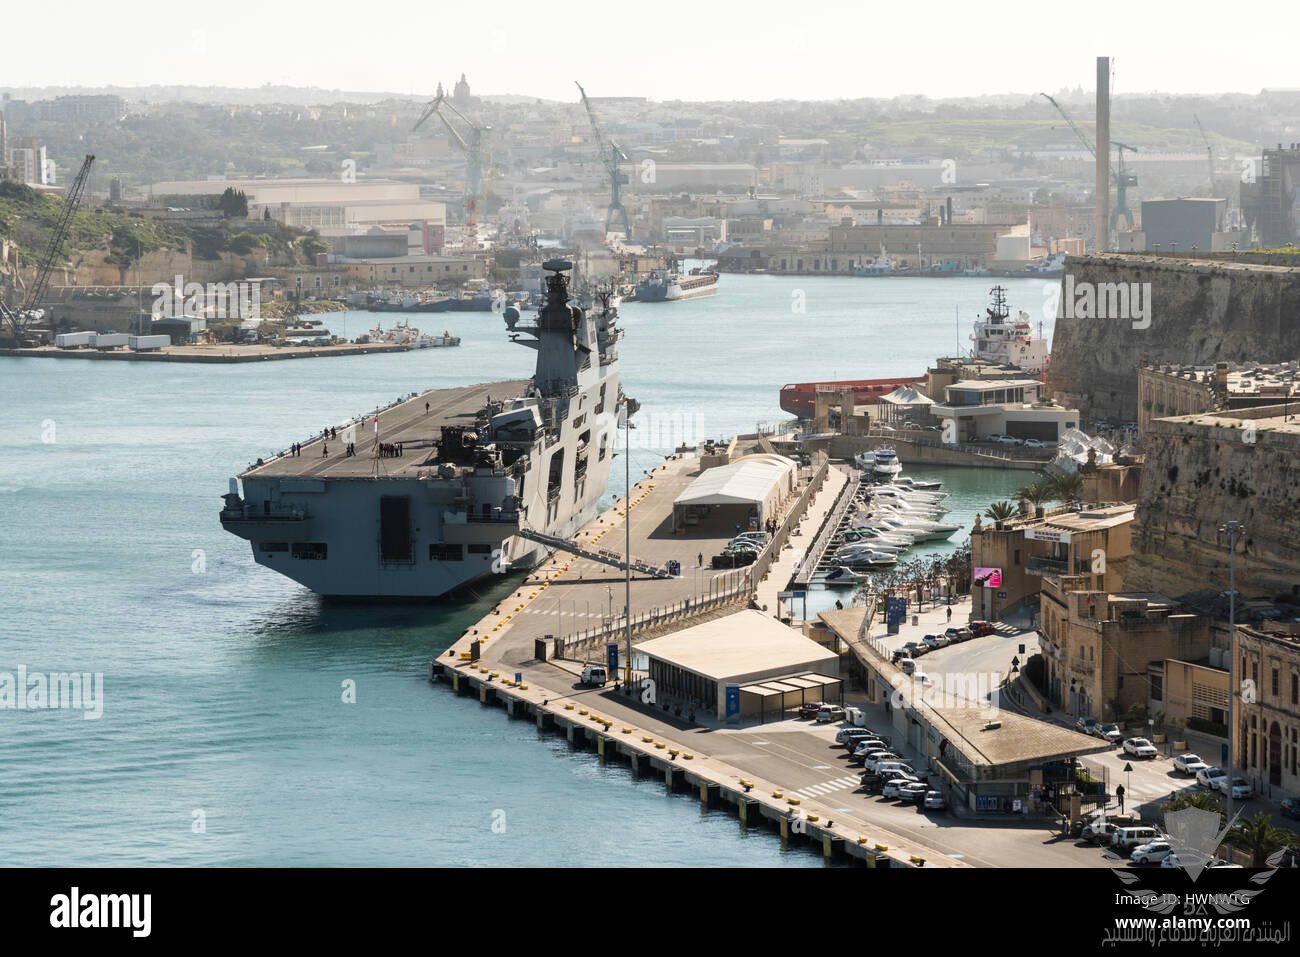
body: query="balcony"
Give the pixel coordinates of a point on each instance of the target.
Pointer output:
(1039, 565)
(1080, 666)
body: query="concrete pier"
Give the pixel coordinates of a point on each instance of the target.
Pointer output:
(568, 596)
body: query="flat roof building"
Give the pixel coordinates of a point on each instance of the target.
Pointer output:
(770, 666)
(1008, 406)
(754, 487)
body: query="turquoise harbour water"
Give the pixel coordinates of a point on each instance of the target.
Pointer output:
(224, 738)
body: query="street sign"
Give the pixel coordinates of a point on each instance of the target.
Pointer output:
(1127, 767)
(1022, 649)
(1002, 596)
(733, 701)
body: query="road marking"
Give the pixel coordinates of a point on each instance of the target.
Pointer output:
(828, 787)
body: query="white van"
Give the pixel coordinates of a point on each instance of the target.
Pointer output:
(908, 665)
(594, 675)
(1127, 838)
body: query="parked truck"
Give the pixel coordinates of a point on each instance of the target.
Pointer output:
(149, 343)
(74, 340)
(111, 340)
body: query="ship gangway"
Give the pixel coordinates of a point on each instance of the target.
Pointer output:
(602, 555)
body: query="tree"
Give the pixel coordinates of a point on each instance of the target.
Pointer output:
(233, 203)
(1000, 512)
(1260, 837)
(1202, 800)
(1036, 494)
(1066, 487)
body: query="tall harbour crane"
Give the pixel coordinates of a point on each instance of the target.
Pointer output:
(18, 321)
(1209, 151)
(611, 155)
(1124, 180)
(470, 144)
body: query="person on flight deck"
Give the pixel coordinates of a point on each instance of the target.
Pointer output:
(324, 450)
(426, 408)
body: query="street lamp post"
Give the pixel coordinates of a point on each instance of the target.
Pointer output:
(1233, 532)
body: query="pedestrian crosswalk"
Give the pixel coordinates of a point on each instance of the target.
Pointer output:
(829, 787)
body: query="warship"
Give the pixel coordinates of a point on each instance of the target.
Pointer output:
(443, 487)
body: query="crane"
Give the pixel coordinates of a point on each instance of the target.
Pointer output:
(611, 155)
(27, 313)
(1124, 180)
(471, 146)
(1209, 151)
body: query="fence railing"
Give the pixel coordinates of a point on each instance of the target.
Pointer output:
(732, 590)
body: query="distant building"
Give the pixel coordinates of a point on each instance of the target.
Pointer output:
(1097, 646)
(1271, 203)
(1028, 549)
(915, 245)
(31, 165)
(1266, 718)
(1014, 407)
(1182, 224)
(1165, 390)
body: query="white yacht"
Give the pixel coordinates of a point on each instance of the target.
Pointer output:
(881, 465)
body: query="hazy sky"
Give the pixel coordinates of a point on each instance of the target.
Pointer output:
(753, 50)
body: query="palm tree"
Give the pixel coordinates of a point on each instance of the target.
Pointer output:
(1260, 837)
(1066, 487)
(1037, 494)
(1000, 512)
(1202, 800)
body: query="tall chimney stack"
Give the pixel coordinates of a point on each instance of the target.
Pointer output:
(1101, 218)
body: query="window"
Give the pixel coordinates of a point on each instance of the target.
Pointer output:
(439, 552)
(1295, 688)
(316, 551)
(1273, 682)
(479, 549)
(1016, 559)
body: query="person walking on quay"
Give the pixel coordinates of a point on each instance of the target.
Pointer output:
(700, 559)
(1119, 796)
(324, 450)
(950, 614)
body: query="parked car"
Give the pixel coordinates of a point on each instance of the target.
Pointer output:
(913, 793)
(873, 762)
(884, 767)
(1009, 440)
(1127, 838)
(845, 735)
(1109, 732)
(981, 627)
(1208, 777)
(891, 788)
(915, 649)
(1188, 763)
(1036, 444)
(907, 665)
(811, 709)
(832, 712)
(934, 801)
(593, 676)
(956, 635)
(1100, 831)
(1140, 748)
(1085, 725)
(1290, 807)
(936, 641)
(762, 538)
(876, 750)
(1241, 789)
(1152, 852)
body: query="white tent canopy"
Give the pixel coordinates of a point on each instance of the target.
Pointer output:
(759, 480)
(905, 395)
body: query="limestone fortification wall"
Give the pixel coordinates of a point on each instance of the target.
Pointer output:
(1199, 474)
(1204, 310)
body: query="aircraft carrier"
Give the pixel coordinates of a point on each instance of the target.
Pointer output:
(478, 465)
